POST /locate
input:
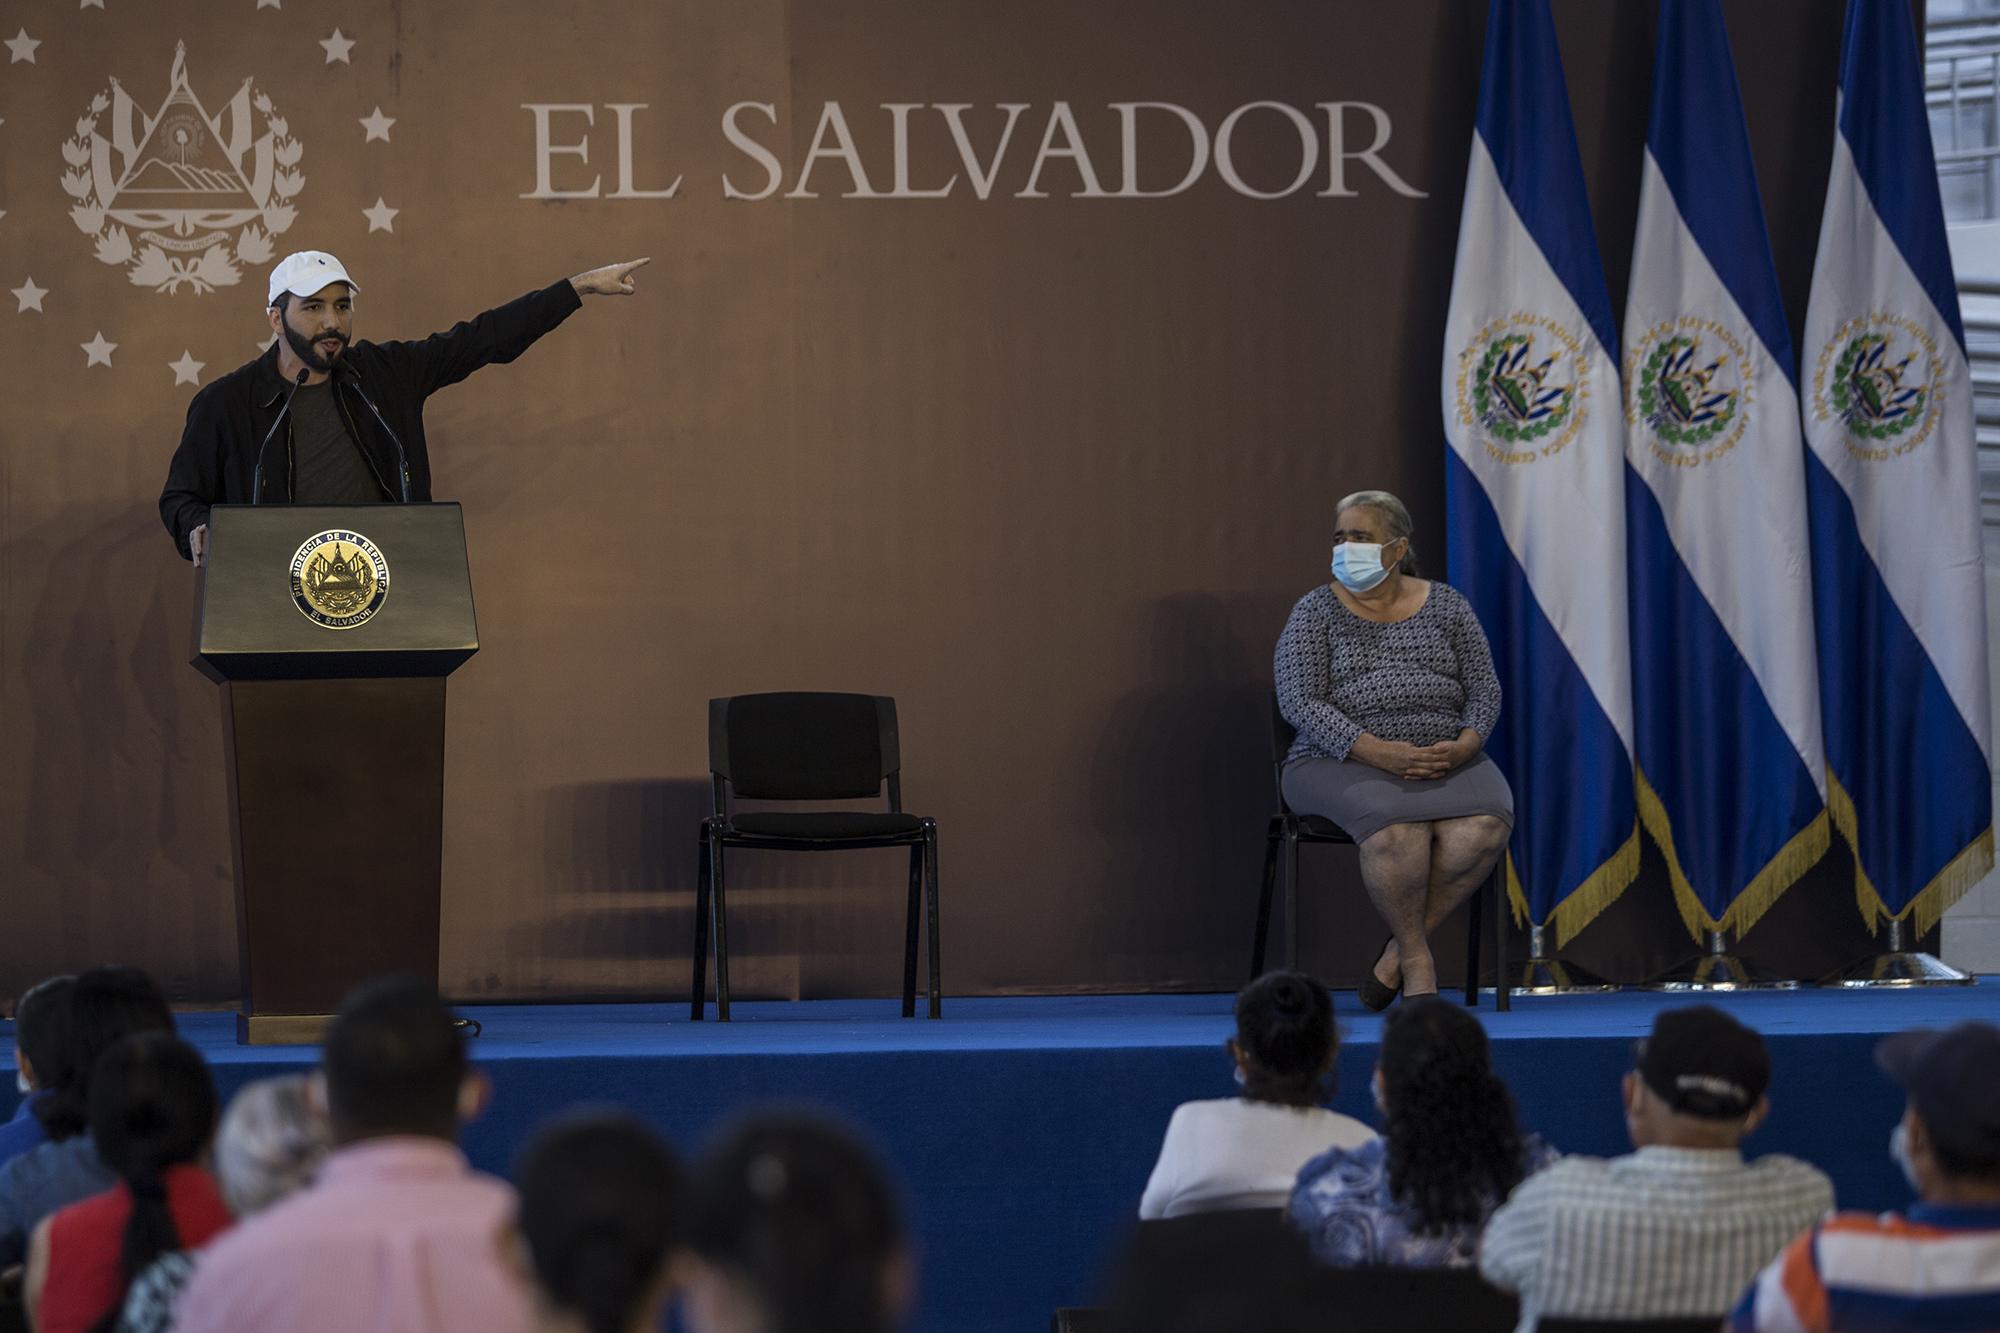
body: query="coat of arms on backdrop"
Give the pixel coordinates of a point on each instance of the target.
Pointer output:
(178, 197)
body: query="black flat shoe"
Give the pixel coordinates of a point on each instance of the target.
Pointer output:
(1374, 996)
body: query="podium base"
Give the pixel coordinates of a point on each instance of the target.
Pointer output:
(282, 1029)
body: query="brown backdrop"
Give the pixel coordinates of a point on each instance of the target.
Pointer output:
(1048, 470)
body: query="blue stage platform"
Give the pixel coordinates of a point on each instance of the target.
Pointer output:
(1023, 1129)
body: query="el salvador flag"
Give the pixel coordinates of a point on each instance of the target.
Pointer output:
(1725, 688)
(1892, 480)
(1535, 480)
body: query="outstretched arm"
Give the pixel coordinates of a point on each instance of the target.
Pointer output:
(611, 280)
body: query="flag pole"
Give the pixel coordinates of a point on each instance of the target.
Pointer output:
(1898, 967)
(1546, 974)
(1717, 969)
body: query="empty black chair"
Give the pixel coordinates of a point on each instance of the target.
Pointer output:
(794, 746)
(1281, 857)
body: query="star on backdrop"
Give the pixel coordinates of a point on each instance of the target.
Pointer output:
(89, 4)
(377, 126)
(381, 217)
(97, 351)
(30, 296)
(187, 370)
(269, 4)
(337, 48)
(21, 47)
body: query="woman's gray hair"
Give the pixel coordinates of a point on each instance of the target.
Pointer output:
(1397, 515)
(270, 1144)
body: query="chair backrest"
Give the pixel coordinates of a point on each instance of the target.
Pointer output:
(1629, 1325)
(803, 746)
(1418, 1298)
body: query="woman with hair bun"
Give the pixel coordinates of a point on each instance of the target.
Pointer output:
(793, 1228)
(1449, 1153)
(152, 1111)
(1245, 1151)
(598, 1221)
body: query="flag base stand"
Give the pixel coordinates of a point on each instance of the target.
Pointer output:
(1897, 967)
(1543, 975)
(1719, 970)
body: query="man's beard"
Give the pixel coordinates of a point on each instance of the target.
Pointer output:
(303, 348)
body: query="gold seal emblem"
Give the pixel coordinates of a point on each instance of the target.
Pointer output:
(339, 579)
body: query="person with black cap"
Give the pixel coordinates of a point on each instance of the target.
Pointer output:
(1676, 1228)
(1937, 1265)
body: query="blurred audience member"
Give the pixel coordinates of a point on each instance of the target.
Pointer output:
(269, 1146)
(1246, 1151)
(1450, 1151)
(152, 1110)
(41, 1042)
(1675, 1229)
(397, 1232)
(599, 1218)
(271, 1143)
(792, 1228)
(105, 1005)
(1937, 1266)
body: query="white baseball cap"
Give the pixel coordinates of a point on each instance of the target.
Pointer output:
(306, 272)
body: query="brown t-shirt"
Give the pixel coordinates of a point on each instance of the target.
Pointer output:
(330, 469)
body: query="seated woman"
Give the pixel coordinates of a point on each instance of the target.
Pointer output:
(268, 1148)
(1245, 1151)
(152, 1110)
(1389, 682)
(1449, 1153)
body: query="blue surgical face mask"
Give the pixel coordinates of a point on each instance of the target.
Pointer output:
(1358, 565)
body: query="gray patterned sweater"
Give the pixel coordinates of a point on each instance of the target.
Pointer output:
(1421, 680)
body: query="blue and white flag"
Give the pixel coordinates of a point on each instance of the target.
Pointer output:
(1892, 478)
(1725, 686)
(1535, 480)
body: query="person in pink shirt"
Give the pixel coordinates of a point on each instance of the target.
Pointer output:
(397, 1234)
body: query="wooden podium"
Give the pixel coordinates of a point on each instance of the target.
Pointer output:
(331, 631)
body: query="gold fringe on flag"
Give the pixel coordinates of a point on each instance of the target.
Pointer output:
(1598, 891)
(1783, 870)
(1929, 906)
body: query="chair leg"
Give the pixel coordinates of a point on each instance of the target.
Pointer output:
(931, 875)
(719, 926)
(916, 907)
(697, 1000)
(1264, 905)
(1503, 986)
(1473, 919)
(1291, 899)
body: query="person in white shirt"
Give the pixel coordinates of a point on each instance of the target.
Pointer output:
(1245, 1151)
(1678, 1228)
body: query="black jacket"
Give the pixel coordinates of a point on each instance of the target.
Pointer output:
(227, 420)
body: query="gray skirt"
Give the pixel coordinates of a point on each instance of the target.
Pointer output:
(1364, 800)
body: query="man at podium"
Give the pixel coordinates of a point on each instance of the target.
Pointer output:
(321, 419)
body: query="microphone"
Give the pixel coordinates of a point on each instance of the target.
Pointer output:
(257, 476)
(402, 458)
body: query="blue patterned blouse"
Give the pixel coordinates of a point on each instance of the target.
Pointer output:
(1341, 1202)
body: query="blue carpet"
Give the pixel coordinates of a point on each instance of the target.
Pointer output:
(1023, 1129)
